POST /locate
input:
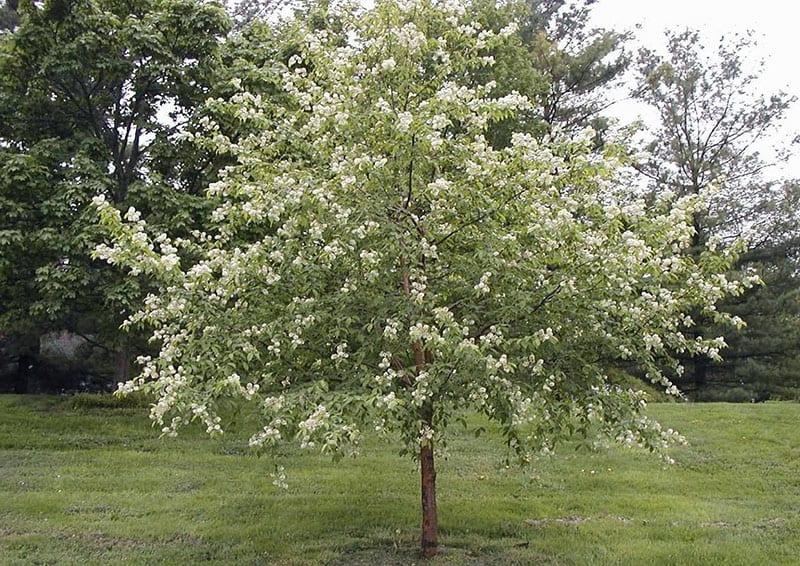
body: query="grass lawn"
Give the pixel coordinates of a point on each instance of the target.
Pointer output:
(97, 486)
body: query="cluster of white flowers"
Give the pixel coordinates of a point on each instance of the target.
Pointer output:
(404, 121)
(269, 435)
(410, 37)
(388, 401)
(391, 329)
(426, 435)
(455, 270)
(509, 30)
(316, 420)
(653, 342)
(418, 288)
(482, 286)
(388, 64)
(513, 101)
(279, 478)
(341, 352)
(492, 337)
(422, 390)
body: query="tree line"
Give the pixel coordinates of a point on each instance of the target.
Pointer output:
(107, 97)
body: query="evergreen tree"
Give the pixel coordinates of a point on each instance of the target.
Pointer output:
(764, 357)
(579, 63)
(713, 120)
(564, 65)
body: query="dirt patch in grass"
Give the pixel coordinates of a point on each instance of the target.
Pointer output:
(96, 509)
(715, 524)
(773, 523)
(7, 532)
(98, 541)
(188, 486)
(184, 539)
(572, 520)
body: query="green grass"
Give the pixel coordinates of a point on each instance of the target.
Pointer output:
(84, 483)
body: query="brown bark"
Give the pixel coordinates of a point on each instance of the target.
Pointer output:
(430, 519)
(429, 539)
(28, 364)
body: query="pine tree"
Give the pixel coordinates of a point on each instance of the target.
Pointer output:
(713, 119)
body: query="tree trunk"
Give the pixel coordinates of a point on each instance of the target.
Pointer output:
(28, 365)
(430, 519)
(122, 364)
(700, 372)
(26, 372)
(429, 540)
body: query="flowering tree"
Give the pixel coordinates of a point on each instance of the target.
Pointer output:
(375, 264)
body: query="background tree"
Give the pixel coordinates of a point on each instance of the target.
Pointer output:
(764, 357)
(566, 67)
(580, 63)
(374, 263)
(243, 13)
(9, 17)
(712, 128)
(91, 95)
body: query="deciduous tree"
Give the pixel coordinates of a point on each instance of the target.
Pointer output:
(91, 94)
(375, 265)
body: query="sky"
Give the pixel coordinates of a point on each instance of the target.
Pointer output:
(773, 21)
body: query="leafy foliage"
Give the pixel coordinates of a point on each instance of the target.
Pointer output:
(89, 93)
(374, 262)
(566, 67)
(713, 121)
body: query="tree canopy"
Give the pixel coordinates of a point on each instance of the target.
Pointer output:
(374, 263)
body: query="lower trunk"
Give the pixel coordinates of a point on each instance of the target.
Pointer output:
(26, 372)
(28, 365)
(430, 520)
(122, 364)
(700, 372)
